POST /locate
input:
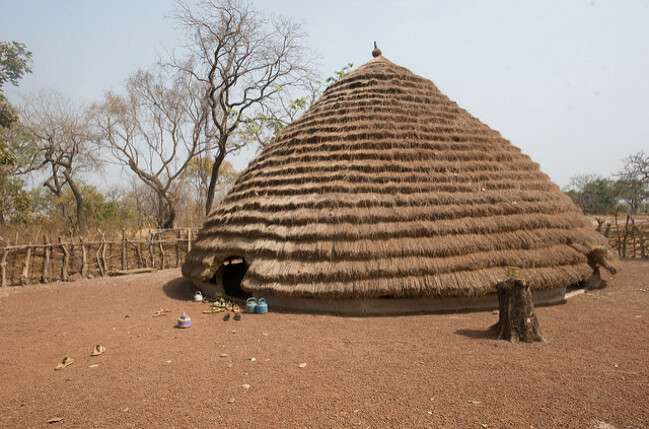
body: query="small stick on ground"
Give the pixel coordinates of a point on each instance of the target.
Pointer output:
(127, 272)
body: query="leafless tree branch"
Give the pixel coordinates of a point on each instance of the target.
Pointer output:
(243, 57)
(155, 129)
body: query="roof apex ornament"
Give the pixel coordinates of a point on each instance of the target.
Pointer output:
(376, 52)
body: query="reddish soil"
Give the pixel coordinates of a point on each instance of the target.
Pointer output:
(409, 371)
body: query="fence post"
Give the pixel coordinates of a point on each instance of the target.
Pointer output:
(617, 232)
(103, 254)
(189, 240)
(162, 251)
(25, 274)
(641, 239)
(179, 238)
(634, 242)
(84, 259)
(65, 262)
(46, 261)
(626, 236)
(151, 249)
(102, 272)
(123, 249)
(3, 267)
(608, 228)
(138, 252)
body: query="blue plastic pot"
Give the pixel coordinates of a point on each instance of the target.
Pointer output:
(251, 305)
(262, 306)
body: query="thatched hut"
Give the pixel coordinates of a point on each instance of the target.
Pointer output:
(385, 196)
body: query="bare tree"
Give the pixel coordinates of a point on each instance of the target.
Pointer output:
(633, 180)
(638, 165)
(155, 130)
(245, 59)
(64, 144)
(143, 199)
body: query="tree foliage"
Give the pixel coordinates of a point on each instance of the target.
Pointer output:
(15, 62)
(593, 194)
(627, 190)
(14, 201)
(198, 177)
(269, 120)
(108, 213)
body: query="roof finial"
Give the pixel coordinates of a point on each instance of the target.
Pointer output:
(376, 52)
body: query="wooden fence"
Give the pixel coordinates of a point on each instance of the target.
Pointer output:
(629, 237)
(72, 259)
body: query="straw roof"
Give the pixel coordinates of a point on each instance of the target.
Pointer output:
(385, 187)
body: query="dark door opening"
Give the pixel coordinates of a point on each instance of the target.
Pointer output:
(234, 269)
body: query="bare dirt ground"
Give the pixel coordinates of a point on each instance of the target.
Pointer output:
(409, 371)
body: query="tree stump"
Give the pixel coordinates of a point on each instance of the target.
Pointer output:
(517, 320)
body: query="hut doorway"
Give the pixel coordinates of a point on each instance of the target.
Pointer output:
(233, 271)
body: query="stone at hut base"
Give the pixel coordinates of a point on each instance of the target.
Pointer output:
(595, 281)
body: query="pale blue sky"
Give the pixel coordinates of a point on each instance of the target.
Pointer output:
(565, 81)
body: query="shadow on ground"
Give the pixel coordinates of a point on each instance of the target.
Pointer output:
(180, 289)
(478, 334)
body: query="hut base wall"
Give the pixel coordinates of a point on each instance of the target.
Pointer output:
(392, 306)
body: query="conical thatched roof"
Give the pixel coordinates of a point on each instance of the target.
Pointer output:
(385, 187)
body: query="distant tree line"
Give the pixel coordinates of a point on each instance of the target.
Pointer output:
(626, 191)
(238, 79)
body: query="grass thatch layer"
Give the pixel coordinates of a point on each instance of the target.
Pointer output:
(385, 187)
(463, 283)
